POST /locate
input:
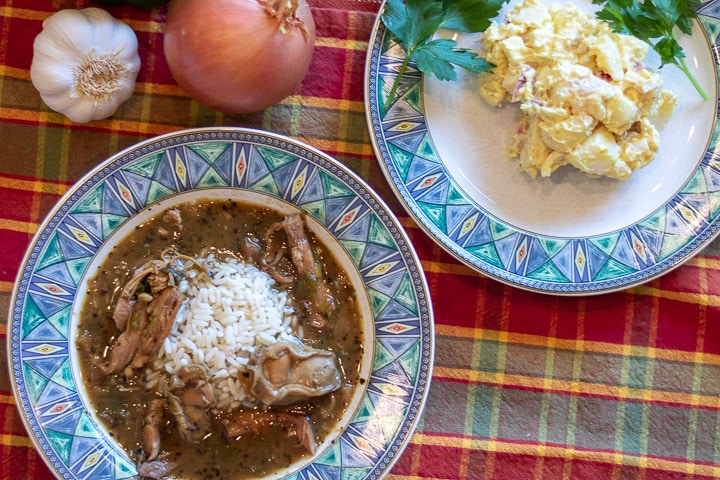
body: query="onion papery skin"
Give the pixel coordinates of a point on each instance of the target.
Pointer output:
(232, 56)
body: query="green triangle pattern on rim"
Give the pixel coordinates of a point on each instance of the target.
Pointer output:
(91, 201)
(426, 150)
(383, 357)
(549, 272)
(32, 317)
(35, 382)
(63, 376)
(455, 196)
(365, 411)
(317, 209)
(405, 294)
(85, 427)
(409, 359)
(332, 456)
(157, 192)
(378, 234)
(404, 160)
(62, 443)
(390, 424)
(355, 249)
(212, 179)
(124, 470)
(711, 26)
(552, 246)
(435, 213)
(332, 187)
(696, 184)
(77, 268)
(378, 301)
(145, 166)
(52, 255)
(714, 204)
(110, 223)
(267, 185)
(673, 243)
(275, 158)
(614, 269)
(355, 473)
(606, 244)
(61, 320)
(210, 151)
(487, 253)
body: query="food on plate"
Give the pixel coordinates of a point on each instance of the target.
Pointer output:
(660, 33)
(220, 339)
(415, 24)
(587, 98)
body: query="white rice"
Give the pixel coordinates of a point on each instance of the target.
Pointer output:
(226, 315)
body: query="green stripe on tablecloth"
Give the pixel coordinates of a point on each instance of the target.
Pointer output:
(496, 408)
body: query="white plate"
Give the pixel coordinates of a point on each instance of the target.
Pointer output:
(442, 149)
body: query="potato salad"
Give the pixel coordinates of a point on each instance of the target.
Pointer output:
(586, 96)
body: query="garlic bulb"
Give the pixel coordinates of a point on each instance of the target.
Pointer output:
(85, 63)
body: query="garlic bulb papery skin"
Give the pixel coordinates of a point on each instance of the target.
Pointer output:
(85, 63)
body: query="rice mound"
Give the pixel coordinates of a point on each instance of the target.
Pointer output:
(227, 314)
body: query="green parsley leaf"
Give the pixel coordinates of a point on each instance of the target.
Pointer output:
(654, 22)
(470, 15)
(438, 57)
(414, 22)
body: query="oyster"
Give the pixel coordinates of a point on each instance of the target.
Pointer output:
(286, 373)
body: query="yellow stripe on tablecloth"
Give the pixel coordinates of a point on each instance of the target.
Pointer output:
(23, 13)
(342, 44)
(690, 297)
(704, 262)
(152, 129)
(571, 344)
(33, 185)
(175, 90)
(577, 387)
(16, 441)
(153, 88)
(18, 226)
(324, 102)
(27, 14)
(697, 298)
(566, 452)
(6, 397)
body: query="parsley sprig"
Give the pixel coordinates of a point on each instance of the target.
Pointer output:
(654, 22)
(414, 22)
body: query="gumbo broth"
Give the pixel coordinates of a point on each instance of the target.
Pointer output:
(121, 399)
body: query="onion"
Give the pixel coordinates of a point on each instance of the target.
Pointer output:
(239, 56)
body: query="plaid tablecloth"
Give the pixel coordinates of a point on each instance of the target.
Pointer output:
(526, 386)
